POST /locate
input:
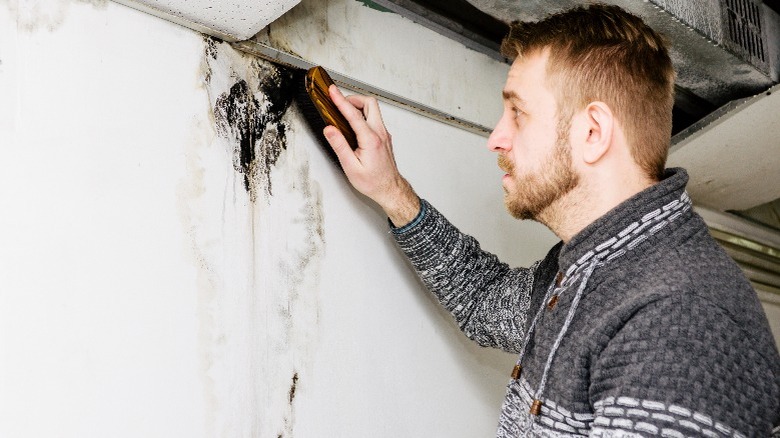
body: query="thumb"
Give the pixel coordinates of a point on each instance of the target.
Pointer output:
(341, 147)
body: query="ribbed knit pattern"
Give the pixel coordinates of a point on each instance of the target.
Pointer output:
(668, 338)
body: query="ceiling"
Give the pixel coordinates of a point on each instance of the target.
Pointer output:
(230, 21)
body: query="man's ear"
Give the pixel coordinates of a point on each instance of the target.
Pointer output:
(600, 124)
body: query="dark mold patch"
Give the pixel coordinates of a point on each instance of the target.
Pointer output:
(211, 46)
(253, 118)
(293, 387)
(211, 53)
(288, 419)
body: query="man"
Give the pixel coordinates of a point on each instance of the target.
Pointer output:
(636, 323)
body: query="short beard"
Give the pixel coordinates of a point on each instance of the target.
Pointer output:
(536, 192)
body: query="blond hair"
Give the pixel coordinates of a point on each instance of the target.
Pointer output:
(603, 53)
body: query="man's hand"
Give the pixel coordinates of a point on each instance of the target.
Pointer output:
(371, 168)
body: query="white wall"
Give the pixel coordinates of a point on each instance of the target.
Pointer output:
(142, 291)
(98, 288)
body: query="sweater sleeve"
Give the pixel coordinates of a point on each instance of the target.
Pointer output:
(679, 367)
(488, 300)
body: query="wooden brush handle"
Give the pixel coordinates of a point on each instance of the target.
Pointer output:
(317, 84)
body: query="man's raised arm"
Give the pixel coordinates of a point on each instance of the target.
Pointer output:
(488, 299)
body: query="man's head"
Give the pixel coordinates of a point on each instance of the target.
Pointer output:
(597, 58)
(544, 172)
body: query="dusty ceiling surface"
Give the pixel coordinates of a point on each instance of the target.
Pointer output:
(229, 20)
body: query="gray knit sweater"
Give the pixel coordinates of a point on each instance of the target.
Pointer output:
(654, 330)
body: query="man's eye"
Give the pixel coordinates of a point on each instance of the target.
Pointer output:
(517, 113)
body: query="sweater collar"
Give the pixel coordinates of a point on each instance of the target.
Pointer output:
(622, 217)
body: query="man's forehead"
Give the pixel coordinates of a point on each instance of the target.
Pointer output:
(525, 77)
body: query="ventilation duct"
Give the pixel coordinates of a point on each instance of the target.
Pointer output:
(745, 35)
(722, 49)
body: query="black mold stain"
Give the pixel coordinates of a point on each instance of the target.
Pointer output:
(211, 53)
(211, 46)
(253, 118)
(293, 387)
(290, 396)
(234, 114)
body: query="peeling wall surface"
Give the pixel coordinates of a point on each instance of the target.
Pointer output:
(179, 258)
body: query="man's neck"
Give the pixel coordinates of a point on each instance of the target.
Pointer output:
(570, 214)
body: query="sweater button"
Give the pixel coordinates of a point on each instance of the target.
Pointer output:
(558, 279)
(516, 371)
(553, 301)
(536, 407)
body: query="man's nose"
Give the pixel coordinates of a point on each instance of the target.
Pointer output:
(500, 139)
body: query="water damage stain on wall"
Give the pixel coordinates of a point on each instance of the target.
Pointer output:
(253, 118)
(46, 15)
(257, 230)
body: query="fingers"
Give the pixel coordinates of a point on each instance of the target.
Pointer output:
(350, 111)
(371, 113)
(371, 168)
(363, 115)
